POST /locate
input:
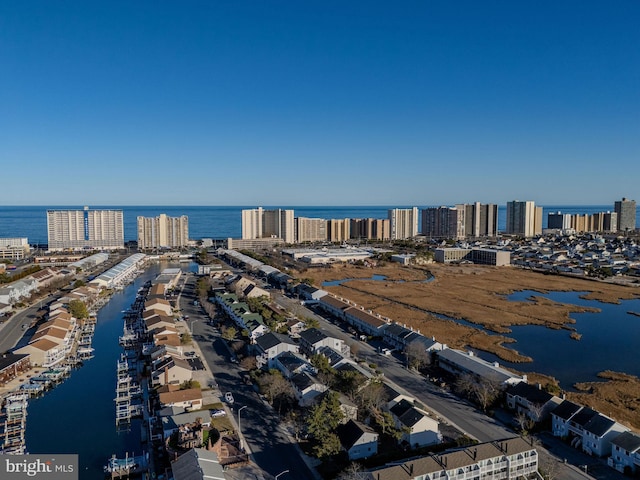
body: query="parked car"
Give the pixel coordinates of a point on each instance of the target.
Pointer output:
(218, 413)
(228, 397)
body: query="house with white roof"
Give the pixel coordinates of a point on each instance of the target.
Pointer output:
(459, 363)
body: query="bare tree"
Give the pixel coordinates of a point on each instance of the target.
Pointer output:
(352, 472)
(417, 355)
(549, 467)
(372, 397)
(482, 390)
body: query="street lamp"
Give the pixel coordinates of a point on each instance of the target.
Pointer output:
(240, 425)
(281, 473)
(191, 325)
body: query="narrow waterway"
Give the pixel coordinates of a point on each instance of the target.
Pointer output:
(78, 416)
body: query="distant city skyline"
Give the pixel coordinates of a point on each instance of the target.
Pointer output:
(319, 103)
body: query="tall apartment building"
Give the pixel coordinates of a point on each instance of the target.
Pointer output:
(443, 222)
(14, 248)
(524, 218)
(338, 230)
(311, 229)
(626, 210)
(479, 219)
(559, 221)
(370, 229)
(85, 229)
(163, 232)
(260, 223)
(404, 223)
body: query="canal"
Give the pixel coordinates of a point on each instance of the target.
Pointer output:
(78, 416)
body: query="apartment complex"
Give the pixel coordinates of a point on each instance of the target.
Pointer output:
(163, 232)
(338, 230)
(473, 220)
(523, 218)
(260, 223)
(370, 229)
(85, 229)
(14, 248)
(596, 222)
(311, 229)
(626, 210)
(403, 223)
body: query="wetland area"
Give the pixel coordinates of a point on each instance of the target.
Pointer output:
(576, 334)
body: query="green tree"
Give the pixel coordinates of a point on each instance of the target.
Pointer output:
(229, 333)
(311, 322)
(78, 309)
(330, 445)
(324, 417)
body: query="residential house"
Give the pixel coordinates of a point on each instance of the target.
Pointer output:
(365, 321)
(347, 407)
(460, 363)
(421, 429)
(357, 439)
(269, 345)
(585, 428)
(509, 459)
(399, 337)
(43, 352)
(392, 397)
(170, 370)
(306, 388)
(312, 339)
(12, 365)
(197, 464)
(295, 327)
(334, 305)
(171, 396)
(625, 453)
(531, 400)
(289, 364)
(172, 423)
(159, 305)
(243, 287)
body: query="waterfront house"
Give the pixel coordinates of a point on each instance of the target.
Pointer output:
(172, 423)
(357, 439)
(365, 321)
(459, 363)
(531, 400)
(43, 352)
(12, 365)
(172, 396)
(625, 453)
(159, 305)
(509, 459)
(399, 337)
(313, 339)
(60, 336)
(419, 428)
(334, 305)
(585, 428)
(197, 464)
(156, 322)
(170, 370)
(271, 344)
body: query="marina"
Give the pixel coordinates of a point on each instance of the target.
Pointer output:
(13, 420)
(86, 398)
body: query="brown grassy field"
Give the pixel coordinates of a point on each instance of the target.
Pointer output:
(477, 294)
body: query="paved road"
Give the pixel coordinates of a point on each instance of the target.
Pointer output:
(271, 448)
(455, 411)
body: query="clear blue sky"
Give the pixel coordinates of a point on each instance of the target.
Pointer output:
(318, 102)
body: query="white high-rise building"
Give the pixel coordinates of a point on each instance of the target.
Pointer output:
(404, 223)
(85, 229)
(163, 232)
(260, 223)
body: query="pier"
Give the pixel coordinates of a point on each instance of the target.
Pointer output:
(13, 420)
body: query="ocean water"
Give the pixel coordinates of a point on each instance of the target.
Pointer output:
(221, 222)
